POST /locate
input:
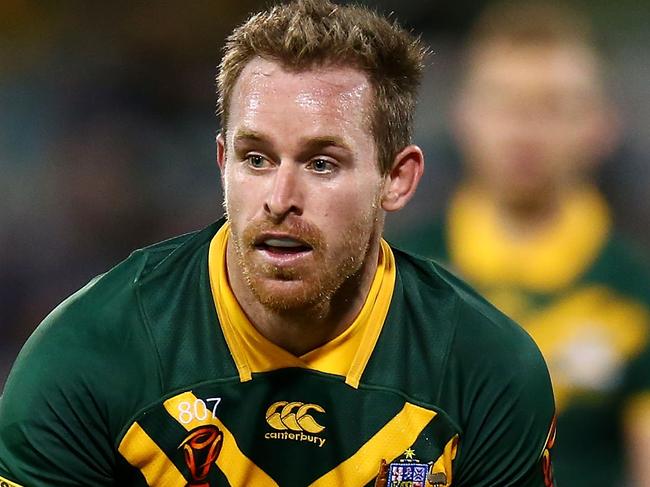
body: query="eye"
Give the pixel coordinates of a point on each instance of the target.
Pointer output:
(321, 166)
(256, 161)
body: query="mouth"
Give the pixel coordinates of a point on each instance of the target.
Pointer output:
(282, 245)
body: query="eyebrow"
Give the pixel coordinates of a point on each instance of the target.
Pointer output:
(313, 143)
(328, 141)
(245, 134)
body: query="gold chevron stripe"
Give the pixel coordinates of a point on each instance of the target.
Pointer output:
(8, 483)
(141, 451)
(237, 467)
(388, 444)
(444, 463)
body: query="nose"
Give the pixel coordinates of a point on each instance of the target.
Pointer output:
(285, 195)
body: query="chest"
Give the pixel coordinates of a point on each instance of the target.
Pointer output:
(289, 427)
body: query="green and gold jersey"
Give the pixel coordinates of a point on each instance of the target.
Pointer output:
(584, 296)
(152, 375)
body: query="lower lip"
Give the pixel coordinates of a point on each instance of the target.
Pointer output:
(283, 257)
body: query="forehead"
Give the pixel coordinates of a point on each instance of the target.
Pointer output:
(552, 65)
(266, 89)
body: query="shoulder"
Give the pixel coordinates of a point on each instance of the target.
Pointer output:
(99, 314)
(495, 384)
(482, 339)
(91, 365)
(490, 346)
(95, 346)
(496, 387)
(424, 279)
(109, 304)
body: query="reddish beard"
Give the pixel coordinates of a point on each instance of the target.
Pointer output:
(309, 283)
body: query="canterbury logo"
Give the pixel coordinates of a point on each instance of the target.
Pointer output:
(294, 416)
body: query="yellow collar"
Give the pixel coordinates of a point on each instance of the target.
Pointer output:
(346, 355)
(485, 255)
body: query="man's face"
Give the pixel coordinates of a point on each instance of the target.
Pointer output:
(530, 118)
(302, 182)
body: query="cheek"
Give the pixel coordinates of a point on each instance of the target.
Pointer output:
(239, 189)
(237, 200)
(355, 210)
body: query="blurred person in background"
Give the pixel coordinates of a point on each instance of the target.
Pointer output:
(530, 230)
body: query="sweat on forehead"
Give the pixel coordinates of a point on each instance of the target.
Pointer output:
(263, 79)
(325, 104)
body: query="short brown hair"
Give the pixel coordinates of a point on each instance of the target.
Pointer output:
(309, 33)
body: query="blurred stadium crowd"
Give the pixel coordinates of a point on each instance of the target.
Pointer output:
(107, 131)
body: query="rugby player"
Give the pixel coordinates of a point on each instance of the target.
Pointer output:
(287, 344)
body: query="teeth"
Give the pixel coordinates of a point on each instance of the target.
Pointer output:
(282, 242)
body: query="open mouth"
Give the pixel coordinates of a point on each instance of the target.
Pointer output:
(283, 245)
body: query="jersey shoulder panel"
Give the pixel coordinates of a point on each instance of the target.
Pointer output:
(483, 370)
(98, 325)
(416, 335)
(178, 305)
(93, 364)
(507, 394)
(76, 382)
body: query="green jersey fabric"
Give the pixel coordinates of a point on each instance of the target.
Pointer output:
(130, 382)
(594, 334)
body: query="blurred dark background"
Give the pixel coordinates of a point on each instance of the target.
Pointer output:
(107, 128)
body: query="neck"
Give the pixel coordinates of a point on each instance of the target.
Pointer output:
(300, 330)
(529, 216)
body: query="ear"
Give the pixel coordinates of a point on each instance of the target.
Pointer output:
(403, 178)
(221, 151)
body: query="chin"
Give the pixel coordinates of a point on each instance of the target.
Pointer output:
(526, 195)
(288, 295)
